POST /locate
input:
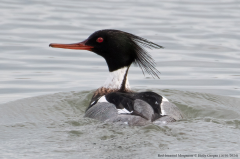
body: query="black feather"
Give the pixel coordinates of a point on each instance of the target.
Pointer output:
(121, 49)
(143, 58)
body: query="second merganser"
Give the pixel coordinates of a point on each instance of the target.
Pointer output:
(114, 101)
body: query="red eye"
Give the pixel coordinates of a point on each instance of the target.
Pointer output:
(100, 39)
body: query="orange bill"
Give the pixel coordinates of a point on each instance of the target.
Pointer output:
(76, 46)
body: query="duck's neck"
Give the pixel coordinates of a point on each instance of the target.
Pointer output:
(118, 80)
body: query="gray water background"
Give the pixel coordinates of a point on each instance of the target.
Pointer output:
(199, 73)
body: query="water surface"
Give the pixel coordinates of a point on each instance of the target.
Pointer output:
(199, 72)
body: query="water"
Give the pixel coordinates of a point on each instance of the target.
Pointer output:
(44, 91)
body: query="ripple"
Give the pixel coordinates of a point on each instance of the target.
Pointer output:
(201, 56)
(56, 121)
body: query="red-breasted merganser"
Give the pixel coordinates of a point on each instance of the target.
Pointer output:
(114, 101)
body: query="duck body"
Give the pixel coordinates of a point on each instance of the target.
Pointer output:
(131, 108)
(114, 101)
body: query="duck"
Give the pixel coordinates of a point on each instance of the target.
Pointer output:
(114, 101)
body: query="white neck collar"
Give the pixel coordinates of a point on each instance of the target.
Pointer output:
(115, 79)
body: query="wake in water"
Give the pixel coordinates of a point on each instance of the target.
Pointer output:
(55, 125)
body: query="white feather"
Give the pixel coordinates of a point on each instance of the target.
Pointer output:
(115, 78)
(103, 99)
(163, 111)
(124, 111)
(163, 100)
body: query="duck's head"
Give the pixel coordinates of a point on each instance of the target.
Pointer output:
(119, 49)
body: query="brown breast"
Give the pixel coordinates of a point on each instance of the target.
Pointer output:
(103, 91)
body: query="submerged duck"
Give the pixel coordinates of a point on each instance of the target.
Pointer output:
(114, 101)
